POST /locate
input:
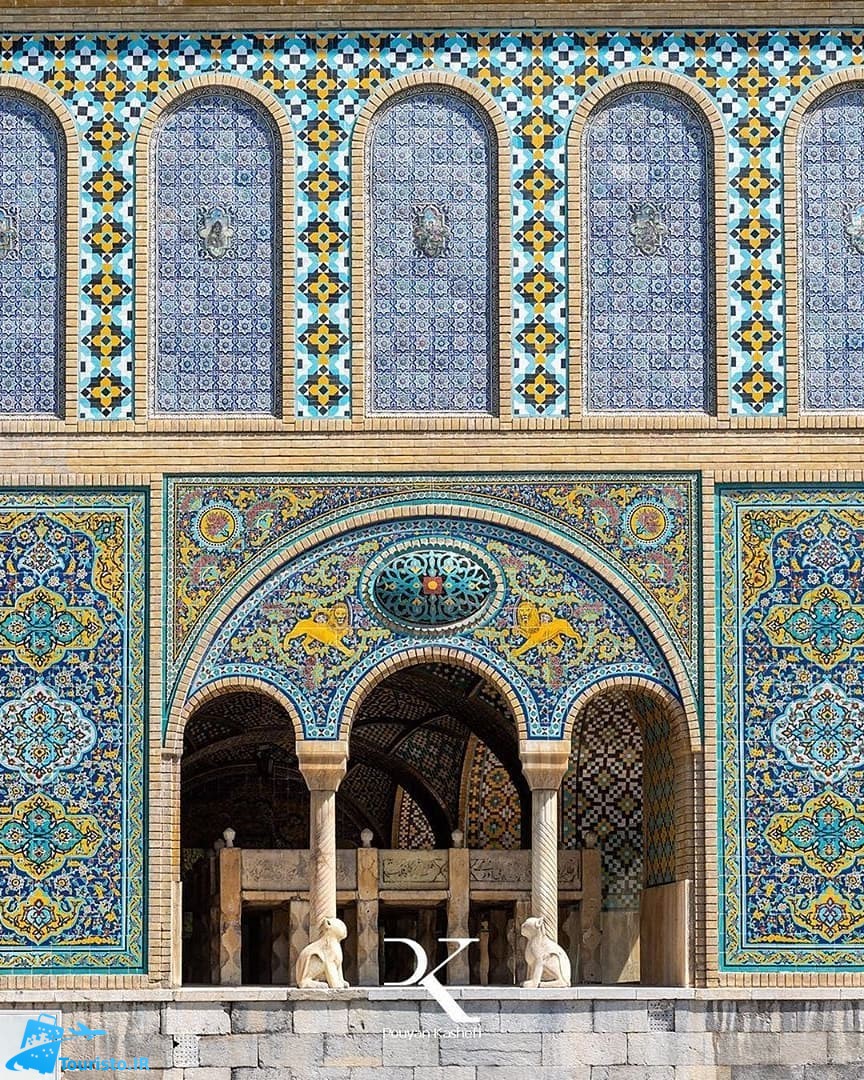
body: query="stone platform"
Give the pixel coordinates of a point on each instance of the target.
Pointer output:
(613, 1033)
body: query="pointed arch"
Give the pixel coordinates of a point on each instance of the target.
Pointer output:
(715, 347)
(478, 102)
(271, 315)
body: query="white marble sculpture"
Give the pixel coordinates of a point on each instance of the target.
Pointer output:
(547, 963)
(320, 964)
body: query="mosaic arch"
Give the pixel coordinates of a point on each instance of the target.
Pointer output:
(791, 810)
(537, 78)
(32, 254)
(539, 622)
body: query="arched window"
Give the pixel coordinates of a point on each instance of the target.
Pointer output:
(831, 251)
(32, 194)
(214, 342)
(431, 254)
(648, 280)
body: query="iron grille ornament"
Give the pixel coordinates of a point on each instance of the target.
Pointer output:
(432, 587)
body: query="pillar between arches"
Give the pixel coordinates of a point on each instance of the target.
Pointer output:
(544, 765)
(323, 765)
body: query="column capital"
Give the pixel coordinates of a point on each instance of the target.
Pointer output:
(545, 762)
(323, 763)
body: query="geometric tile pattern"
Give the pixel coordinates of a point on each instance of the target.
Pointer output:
(72, 720)
(792, 823)
(220, 528)
(602, 792)
(213, 290)
(31, 256)
(557, 628)
(411, 827)
(537, 79)
(491, 810)
(648, 271)
(658, 790)
(831, 164)
(430, 209)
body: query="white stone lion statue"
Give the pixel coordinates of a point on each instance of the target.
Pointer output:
(320, 963)
(548, 964)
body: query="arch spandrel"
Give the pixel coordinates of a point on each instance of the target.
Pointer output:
(311, 629)
(226, 535)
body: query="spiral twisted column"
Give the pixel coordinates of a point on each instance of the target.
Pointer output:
(323, 766)
(544, 765)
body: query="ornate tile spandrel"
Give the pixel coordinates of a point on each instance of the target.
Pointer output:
(792, 829)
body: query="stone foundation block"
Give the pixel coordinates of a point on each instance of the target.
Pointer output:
(420, 1050)
(352, 1051)
(211, 1073)
(492, 1049)
(236, 1050)
(550, 1016)
(384, 1016)
(768, 1072)
(322, 1017)
(612, 1016)
(844, 1048)
(633, 1072)
(572, 1048)
(433, 1017)
(544, 1072)
(669, 1048)
(297, 1051)
(445, 1072)
(261, 1018)
(180, 1018)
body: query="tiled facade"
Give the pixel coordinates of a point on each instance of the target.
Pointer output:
(685, 607)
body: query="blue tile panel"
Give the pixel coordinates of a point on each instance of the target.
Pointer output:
(832, 251)
(215, 277)
(648, 267)
(31, 214)
(72, 731)
(791, 728)
(431, 253)
(536, 78)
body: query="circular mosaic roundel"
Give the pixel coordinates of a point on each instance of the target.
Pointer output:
(432, 586)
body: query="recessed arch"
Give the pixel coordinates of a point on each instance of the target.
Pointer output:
(65, 375)
(282, 260)
(717, 342)
(821, 90)
(222, 688)
(500, 320)
(429, 654)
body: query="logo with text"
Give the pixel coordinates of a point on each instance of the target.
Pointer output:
(425, 978)
(30, 1045)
